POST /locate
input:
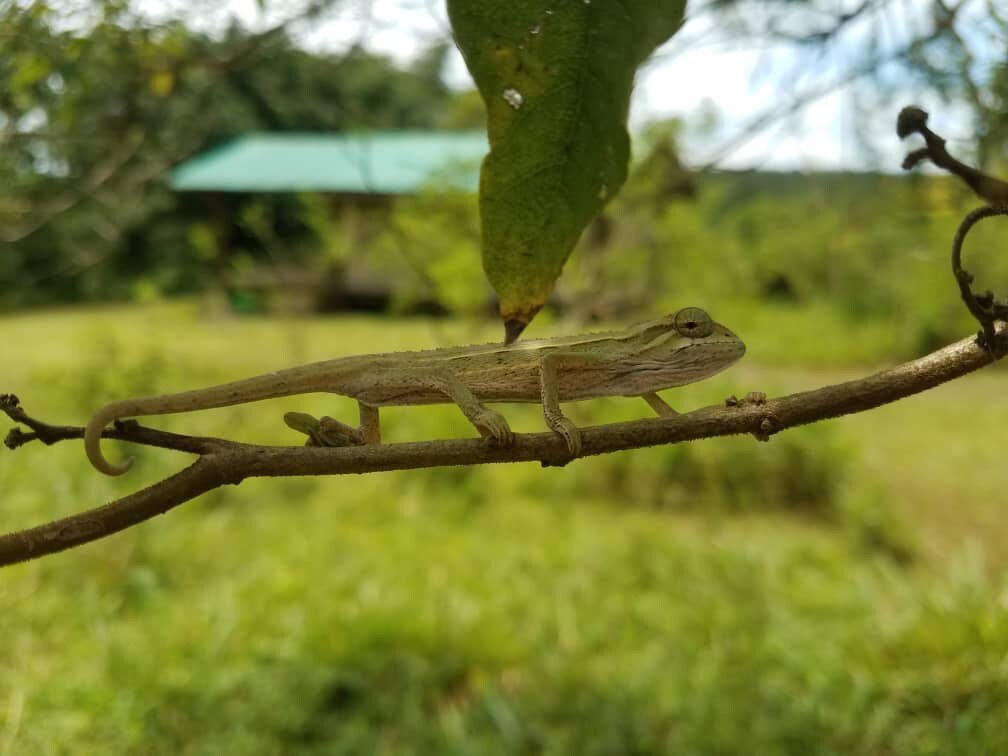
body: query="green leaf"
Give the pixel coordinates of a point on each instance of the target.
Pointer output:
(556, 77)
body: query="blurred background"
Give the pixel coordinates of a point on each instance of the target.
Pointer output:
(192, 192)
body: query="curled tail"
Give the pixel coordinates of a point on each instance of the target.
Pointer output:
(92, 437)
(320, 376)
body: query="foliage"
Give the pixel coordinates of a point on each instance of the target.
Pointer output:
(836, 590)
(93, 116)
(370, 615)
(764, 248)
(873, 247)
(868, 56)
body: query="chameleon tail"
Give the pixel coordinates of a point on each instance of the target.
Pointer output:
(93, 432)
(320, 376)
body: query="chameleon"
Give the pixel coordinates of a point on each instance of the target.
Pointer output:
(680, 348)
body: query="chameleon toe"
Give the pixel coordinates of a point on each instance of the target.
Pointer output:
(493, 425)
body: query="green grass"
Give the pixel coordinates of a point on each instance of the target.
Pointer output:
(838, 590)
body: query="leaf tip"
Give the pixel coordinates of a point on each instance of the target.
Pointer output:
(513, 329)
(516, 317)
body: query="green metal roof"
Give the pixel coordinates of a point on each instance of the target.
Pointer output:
(380, 162)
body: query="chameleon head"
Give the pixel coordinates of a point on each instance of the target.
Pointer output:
(688, 346)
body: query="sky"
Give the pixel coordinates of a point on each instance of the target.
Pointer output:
(702, 76)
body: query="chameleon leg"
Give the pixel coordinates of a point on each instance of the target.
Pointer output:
(370, 423)
(659, 405)
(555, 418)
(331, 432)
(488, 422)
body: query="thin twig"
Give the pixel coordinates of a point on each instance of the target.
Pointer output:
(229, 462)
(123, 430)
(913, 120)
(984, 307)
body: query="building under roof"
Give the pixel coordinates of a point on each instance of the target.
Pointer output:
(364, 163)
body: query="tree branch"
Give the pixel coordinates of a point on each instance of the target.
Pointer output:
(202, 476)
(224, 462)
(984, 307)
(124, 430)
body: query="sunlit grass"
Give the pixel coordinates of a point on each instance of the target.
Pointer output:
(838, 590)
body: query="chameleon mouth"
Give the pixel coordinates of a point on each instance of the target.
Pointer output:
(714, 356)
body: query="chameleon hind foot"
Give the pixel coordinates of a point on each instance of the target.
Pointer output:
(323, 431)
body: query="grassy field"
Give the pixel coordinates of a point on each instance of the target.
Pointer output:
(839, 590)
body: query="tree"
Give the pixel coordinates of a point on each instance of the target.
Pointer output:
(877, 51)
(94, 115)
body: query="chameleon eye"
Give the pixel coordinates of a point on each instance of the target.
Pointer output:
(693, 322)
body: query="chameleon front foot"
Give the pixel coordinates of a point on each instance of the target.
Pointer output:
(492, 425)
(769, 424)
(753, 397)
(570, 432)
